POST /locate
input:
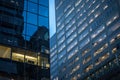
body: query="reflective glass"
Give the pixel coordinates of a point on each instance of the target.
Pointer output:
(32, 18)
(43, 11)
(43, 2)
(34, 1)
(24, 14)
(25, 5)
(43, 21)
(31, 29)
(32, 7)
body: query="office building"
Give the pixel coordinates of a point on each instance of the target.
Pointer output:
(88, 40)
(53, 58)
(24, 40)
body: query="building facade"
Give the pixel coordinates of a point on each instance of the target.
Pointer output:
(88, 40)
(24, 40)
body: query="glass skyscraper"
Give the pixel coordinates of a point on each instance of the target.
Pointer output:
(87, 40)
(24, 40)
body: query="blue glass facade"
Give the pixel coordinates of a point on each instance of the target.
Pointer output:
(24, 37)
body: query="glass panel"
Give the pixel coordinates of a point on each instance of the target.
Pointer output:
(25, 5)
(43, 21)
(31, 58)
(43, 11)
(44, 62)
(34, 1)
(31, 18)
(5, 52)
(24, 16)
(32, 7)
(31, 29)
(43, 2)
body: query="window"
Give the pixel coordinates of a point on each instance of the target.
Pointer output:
(44, 2)
(61, 40)
(71, 38)
(77, 3)
(32, 7)
(31, 29)
(83, 34)
(73, 44)
(116, 37)
(43, 21)
(99, 30)
(114, 50)
(43, 11)
(102, 58)
(88, 68)
(85, 51)
(32, 18)
(72, 53)
(34, 1)
(84, 42)
(86, 60)
(100, 49)
(98, 40)
(5, 52)
(69, 12)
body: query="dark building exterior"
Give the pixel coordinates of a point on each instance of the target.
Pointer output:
(88, 40)
(24, 40)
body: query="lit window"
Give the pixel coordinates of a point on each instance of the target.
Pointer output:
(118, 36)
(82, 6)
(89, 68)
(109, 22)
(97, 6)
(93, 1)
(71, 38)
(61, 47)
(112, 40)
(102, 58)
(67, 8)
(114, 50)
(71, 10)
(99, 30)
(105, 7)
(91, 20)
(71, 45)
(78, 75)
(86, 60)
(81, 14)
(87, 1)
(100, 49)
(77, 58)
(59, 5)
(103, 0)
(92, 11)
(84, 52)
(61, 40)
(77, 3)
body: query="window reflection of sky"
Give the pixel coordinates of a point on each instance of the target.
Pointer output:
(35, 15)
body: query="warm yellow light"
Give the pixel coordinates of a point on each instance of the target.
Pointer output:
(47, 65)
(112, 40)
(18, 55)
(118, 35)
(30, 57)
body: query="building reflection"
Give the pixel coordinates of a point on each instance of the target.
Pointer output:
(24, 40)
